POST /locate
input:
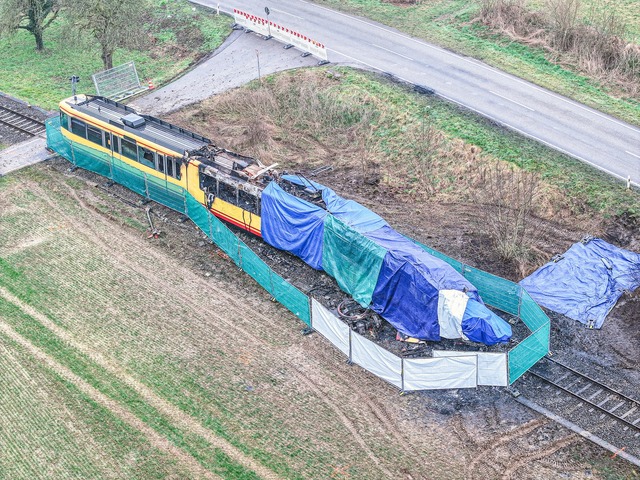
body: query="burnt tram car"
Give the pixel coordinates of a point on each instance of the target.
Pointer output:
(227, 183)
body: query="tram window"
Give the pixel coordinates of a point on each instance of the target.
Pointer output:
(129, 148)
(116, 144)
(79, 128)
(94, 135)
(227, 193)
(161, 162)
(64, 120)
(247, 202)
(178, 170)
(107, 140)
(146, 157)
(170, 166)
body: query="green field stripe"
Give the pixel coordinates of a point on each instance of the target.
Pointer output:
(213, 459)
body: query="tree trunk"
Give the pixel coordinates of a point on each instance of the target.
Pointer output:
(107, 59)
(39, 42)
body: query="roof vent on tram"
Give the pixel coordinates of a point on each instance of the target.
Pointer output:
(132, 120)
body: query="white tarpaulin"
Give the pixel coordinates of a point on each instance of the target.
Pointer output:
(492, 367)
(325, 323)
(440, 373)
(451, 307)
(377, 360)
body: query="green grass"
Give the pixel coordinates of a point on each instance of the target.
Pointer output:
(447, 23)
(43, 78)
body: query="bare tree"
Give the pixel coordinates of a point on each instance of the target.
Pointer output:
(564, 18)
(113, 23)
(510, 197)
(33, 16)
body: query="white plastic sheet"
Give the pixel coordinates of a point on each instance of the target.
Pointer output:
(377, 360)
(325, 323)
(492, 367)
(440, 373)
(451, 307)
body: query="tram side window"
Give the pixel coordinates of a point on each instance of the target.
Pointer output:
(116, 144)
(94, 135)
(170, 166)
(177, 171)
(247, 202)
(161, 162)
(146, 157)
(129, 148)
(64, 120)
(227, 193)
(79, 127)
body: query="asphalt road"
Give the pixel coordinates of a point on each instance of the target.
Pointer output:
(563, 124)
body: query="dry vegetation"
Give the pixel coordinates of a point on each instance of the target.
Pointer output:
(594, 40)
(320, 118)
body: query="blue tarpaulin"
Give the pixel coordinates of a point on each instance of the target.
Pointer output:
(586, 282)
(292, 224)
(400, 279)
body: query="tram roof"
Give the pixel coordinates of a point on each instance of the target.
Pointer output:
(155, 130)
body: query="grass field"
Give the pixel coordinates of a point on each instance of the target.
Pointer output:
(169, 372)
(449, 23)
(181, 36)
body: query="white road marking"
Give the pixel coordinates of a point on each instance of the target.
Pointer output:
(391, 51)
(286, 13)
(632, 154)
(479, 64)
(513, 101)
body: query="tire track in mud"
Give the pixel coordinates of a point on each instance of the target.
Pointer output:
(128, 241)
(526, 459)
(115, 408)
(489, 456)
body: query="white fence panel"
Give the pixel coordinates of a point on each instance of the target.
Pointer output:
(492, 367)
(251, 22)
(376, 359)
(325, 323)
(440, 373)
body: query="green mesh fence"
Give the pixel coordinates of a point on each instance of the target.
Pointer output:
(495, 291)
(352, 259)
(513, 299)
(525, 355)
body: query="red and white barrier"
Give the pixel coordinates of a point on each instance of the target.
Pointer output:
(281, 33)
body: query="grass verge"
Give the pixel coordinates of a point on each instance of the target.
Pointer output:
(448, 23)
(179, 37)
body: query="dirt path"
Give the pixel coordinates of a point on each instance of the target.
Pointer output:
(233, 64)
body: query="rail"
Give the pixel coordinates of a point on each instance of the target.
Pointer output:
(19, 121)
(588, 390)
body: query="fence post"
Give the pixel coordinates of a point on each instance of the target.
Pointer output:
(146, 185)
(520, 300)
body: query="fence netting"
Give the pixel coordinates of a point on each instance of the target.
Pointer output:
(356, 274)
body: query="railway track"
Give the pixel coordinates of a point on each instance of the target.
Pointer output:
(20, 122)
(594, 406)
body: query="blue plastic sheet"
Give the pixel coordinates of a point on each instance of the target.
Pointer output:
(481, 325)
(586, 282)
(292, 224)
(360, 218)
(406, 294)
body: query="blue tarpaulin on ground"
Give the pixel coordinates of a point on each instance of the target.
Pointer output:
(479, 324)
(586, 282)
(292, 224)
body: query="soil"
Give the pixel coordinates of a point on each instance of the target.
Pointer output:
(501, 438)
